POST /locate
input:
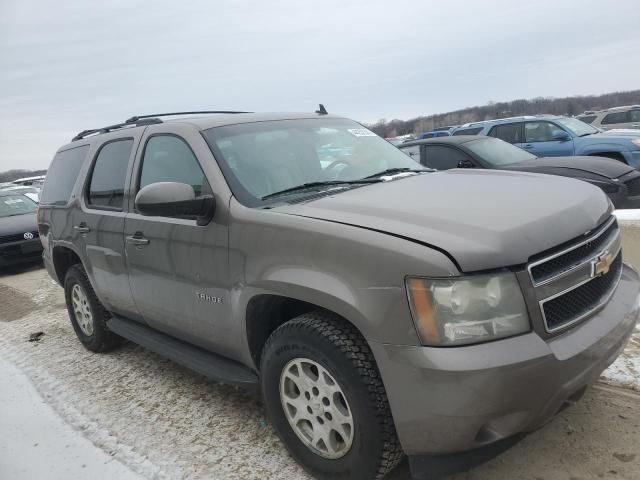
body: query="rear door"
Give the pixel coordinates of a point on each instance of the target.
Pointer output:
(539, 140)
(99, 224)
(177, 269)
(509, 132)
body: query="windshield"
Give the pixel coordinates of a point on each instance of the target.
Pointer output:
(497, 152)
(576, 126)
(262, 158)
(16, 205)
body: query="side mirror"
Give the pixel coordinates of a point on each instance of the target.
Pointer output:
(560, 135)
(465, 164)
(172, 199)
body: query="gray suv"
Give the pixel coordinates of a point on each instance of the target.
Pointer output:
(383, 308)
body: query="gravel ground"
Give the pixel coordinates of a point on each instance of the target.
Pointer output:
(163, 421)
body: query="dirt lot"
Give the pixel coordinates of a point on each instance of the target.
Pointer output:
(163, 421)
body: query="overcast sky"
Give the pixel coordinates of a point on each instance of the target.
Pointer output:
(75, 64)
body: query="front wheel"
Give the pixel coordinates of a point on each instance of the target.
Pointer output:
(325, 398)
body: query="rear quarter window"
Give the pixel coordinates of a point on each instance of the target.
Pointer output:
(587, 119)
(62, 175)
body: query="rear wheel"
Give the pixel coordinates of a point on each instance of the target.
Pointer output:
(88, 316)
(325, 398)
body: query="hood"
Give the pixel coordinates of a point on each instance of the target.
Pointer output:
(629, 134)
(483, 218)
(605, 167)
(18, 224)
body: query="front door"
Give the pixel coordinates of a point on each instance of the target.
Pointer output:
(539, 140)
(176, 268)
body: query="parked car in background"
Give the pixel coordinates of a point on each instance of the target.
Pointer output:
(434, 134)
(555, 136)
(627, 117)
(19, 239)
(382, 307)
(618, 180)
(400, 139)
(32, 192)
(37, 181)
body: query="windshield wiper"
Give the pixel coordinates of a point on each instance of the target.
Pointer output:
(389, 171)
(306, 186)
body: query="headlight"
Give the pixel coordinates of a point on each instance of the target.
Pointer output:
(464, 310)
(636, 142)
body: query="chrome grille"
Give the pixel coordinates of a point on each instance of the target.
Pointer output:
(579, 302)
(575, 280)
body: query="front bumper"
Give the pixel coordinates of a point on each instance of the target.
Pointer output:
(446, 400)
(20, 252)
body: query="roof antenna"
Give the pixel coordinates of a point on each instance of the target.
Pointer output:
(322, 110)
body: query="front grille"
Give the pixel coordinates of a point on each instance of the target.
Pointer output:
(17, 237)
(633, 187)
(563, 262)
(579, 302)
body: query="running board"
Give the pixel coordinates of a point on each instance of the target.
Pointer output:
(212, 366)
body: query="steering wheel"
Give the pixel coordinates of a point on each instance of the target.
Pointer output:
(333, 165)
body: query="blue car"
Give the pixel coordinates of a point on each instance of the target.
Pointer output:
(555, 136)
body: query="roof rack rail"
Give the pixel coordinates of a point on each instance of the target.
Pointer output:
(139, 120)
(135, 118)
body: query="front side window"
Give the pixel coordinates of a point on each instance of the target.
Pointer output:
(635, 116)
(617, 117)
(168, 158)
(106, 188)
(440, 157)
(539, 132)
(509, 132)
(262, 158)
(12, 205)
(62, 175)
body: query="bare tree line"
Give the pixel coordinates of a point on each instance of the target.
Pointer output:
(555, 106)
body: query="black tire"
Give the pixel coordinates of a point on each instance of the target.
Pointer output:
(339, 348)
(101, 339)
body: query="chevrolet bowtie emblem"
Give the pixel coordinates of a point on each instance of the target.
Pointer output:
(601, 264)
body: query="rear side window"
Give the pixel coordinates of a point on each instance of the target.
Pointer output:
(588, 118)
(635, 116)
(613, 118)
(169, 159)
(468, 131)
(62, 175)
(510, 132)
(109, 174)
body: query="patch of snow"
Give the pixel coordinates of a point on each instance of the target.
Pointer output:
(630, 215)
(36, 443)
(625, 371)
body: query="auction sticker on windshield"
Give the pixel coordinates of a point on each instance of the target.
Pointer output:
(361, 132)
